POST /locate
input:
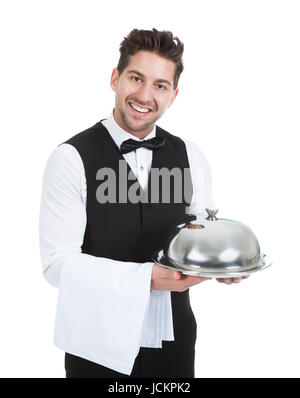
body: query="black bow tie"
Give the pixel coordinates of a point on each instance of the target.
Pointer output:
(132, 145)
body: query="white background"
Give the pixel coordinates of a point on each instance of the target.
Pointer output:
(238, 100)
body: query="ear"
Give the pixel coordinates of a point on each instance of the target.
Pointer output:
(173, 97)
(114, 79)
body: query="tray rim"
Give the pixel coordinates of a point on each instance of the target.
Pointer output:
(264, 263)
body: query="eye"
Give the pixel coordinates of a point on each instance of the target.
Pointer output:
(161, 87)
(136, 78)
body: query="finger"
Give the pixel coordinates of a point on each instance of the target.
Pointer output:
(165, 273)
(203, 278)
(236, 280)
(229, 281)
(196, 279)
(224, 280)
(171, 275)
(176, 275)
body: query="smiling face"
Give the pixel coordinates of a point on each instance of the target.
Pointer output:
(144, 91)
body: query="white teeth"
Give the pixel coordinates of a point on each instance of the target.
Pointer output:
(137, 108)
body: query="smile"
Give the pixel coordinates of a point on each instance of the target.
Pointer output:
(138, 110)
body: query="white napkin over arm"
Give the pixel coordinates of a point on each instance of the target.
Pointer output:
(105, 310)
(102, 303)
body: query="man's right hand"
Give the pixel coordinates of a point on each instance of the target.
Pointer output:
(166, 279)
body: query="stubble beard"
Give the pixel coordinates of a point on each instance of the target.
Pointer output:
(141, 128)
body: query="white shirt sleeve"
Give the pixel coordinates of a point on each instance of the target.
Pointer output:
(105, 310)
(102, 303)
(201, 181)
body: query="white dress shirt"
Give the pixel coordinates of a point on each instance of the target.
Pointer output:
(105, 310)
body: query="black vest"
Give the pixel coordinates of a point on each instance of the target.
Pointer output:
(132, 231)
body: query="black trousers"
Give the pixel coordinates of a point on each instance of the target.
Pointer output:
(176, 359)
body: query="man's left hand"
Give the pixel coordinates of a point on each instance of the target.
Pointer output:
(229, 281)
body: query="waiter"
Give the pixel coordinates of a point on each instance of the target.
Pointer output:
(119, 314)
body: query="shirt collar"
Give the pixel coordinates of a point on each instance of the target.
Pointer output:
(118, 134)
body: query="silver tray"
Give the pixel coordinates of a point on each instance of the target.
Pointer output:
(159, 259)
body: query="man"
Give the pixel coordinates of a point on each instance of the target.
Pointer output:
(119, 314)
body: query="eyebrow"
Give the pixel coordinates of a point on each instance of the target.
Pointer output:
(141, 75)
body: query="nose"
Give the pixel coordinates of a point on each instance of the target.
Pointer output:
(145, 95)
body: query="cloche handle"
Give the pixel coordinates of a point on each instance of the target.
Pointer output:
(211, 214)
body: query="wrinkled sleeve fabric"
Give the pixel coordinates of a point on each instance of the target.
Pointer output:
(202, 197)
(102, 303)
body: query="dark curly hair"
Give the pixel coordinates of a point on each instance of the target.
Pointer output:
(162, 43)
